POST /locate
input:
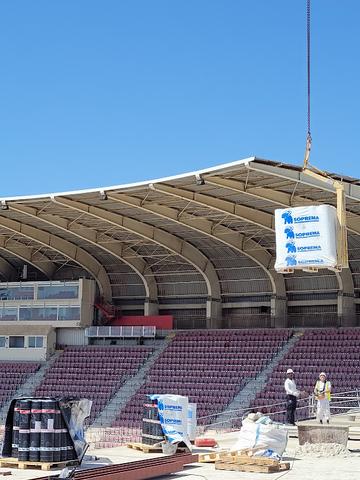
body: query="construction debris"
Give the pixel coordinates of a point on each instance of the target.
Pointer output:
(322, 450)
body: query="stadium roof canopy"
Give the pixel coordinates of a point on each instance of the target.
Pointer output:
(205, 237)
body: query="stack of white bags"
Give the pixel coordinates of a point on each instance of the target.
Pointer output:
(258, 430)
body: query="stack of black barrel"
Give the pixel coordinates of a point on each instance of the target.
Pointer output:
(152, 432)
(40, 433)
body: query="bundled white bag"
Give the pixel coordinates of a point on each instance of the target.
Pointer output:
(273, 437)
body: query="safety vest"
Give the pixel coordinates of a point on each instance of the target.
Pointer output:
(327, 390)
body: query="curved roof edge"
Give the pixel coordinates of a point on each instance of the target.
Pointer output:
(217, 168)
(294, 172)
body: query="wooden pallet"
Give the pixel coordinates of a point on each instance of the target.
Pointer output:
(151, 448)
(12, 462)
(145, 448)
(251, 464)
(211, 457)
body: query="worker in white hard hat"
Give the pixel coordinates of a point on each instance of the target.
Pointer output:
(292, 394)
(322, 393)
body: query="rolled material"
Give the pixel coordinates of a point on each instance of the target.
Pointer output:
(24, 429)
(35, 430)
(15, 432)
(47, 436)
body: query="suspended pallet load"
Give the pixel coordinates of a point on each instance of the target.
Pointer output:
(312, 237)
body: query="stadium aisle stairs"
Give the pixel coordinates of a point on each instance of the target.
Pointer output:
(28, 388)
(248, 393)
(127, 390)
(335, 351)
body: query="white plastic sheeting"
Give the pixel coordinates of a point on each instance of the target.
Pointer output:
(271, 436)
(306, 237)
(173, 416)
(192, 421)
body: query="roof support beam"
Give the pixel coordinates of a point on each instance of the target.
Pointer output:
(28, 255)
(167, 240)
(252, 215)
(282, 199)
(7, 271)
(351, 191)
(262, 193)
(346, 308)
(64, 247)
(105, 242)
(230, 237)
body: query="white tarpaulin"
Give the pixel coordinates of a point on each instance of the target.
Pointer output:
(306, 237)
(173, 416)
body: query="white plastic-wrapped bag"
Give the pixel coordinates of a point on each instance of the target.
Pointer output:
(271, 436)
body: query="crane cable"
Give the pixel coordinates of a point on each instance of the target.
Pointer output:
(342, 244)
(308, 39)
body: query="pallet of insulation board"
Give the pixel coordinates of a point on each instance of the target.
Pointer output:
(11, 462)
(244, 463)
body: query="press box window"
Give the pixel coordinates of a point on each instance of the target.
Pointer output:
(16, 342)
(36, 342)
(2, 342)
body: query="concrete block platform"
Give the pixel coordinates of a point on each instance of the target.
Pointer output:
(311, 432)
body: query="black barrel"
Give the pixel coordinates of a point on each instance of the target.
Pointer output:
(47, 437)
(63, 445)
(35, 430)
(70, 453)
(24, 429)
(63, 440)
(15, 431)
(57, 434)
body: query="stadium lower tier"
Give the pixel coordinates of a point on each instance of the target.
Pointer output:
(210, 367)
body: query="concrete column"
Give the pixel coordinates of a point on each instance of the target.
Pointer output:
(346, 310)
(151, 307)
(213, 313)
(279, 312)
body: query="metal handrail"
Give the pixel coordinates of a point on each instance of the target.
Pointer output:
(117, 331)
(238, 414)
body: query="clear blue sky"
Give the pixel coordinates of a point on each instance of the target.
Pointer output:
(107, 92)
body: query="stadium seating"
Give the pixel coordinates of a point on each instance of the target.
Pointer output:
(210, 367)
(12, 376)
(335, 352)
(92, 372)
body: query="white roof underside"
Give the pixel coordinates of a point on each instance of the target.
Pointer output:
(208, 233)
